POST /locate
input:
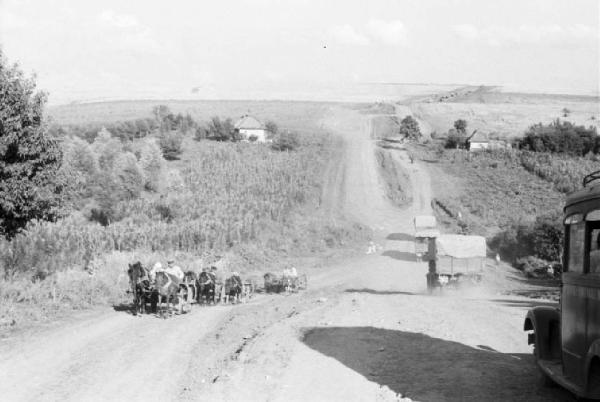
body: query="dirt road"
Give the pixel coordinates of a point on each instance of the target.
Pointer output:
(365, 330)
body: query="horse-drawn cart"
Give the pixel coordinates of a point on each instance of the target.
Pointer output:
(456, 259)
(289, 281)
(425, 231)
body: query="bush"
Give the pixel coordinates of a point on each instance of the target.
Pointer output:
(152, 163)
(455, 139)
(534, 267)
(271, 128)
(542, 238)
(561, 137)
(220, 130)
(409, 128)
(130, 176)
(200, 133)
(107, 148)
(170, 144)
(285, 141)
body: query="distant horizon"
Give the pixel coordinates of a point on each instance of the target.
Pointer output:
(316, 97)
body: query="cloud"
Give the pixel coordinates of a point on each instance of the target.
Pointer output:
(387, 32)
(498, 35)
(347, 35)
(391, 33)
(10, 21)
(130, 33)
(109, 17)
(466, 31)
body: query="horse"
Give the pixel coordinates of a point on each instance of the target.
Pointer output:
(272, 283)
(190, 282)
(139, 280)
(234, 288)
(168, 287)
(206, 287)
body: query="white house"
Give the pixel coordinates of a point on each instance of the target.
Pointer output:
(251, 129)
(478, 141)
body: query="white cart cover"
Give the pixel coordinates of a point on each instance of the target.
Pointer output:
(425, 222)
(460, 246)
(427, 233)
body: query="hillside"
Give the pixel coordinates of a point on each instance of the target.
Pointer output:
(503, 113)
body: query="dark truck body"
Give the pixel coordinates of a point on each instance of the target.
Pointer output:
(567, 339)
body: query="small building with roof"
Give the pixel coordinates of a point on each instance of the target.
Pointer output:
(478, 141)
(251, 129)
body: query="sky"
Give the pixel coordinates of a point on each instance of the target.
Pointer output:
(243, 49)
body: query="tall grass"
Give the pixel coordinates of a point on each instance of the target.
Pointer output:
(243, 200)
(221, 199)
(565, 172)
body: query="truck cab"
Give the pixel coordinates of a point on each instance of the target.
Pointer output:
(567, 339)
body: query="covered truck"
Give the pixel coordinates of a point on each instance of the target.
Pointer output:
(425, 231)
(455, 258)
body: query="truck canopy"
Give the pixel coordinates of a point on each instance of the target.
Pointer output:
(460, 246)
(425, 222)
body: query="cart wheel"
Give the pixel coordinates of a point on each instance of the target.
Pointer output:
(429, 283)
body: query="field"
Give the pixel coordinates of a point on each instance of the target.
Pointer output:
(505, 114)
(299, 116)
(488, 191)
(257, 208)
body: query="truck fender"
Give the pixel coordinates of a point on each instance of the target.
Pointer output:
(539, 319)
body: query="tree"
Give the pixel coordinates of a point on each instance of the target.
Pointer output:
(220, 130)
(160, 113)
(152, 164)
(460, 126)
(271, 128)
(107, 148)
(31, 186)
(130, 176)
(409, 128)
(455, 139)
(285, 141)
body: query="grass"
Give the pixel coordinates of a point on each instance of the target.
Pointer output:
(298, 116)
(482, 193)
(507, 115)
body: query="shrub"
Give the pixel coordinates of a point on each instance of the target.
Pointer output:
(271, 128)
(534, 267)
(285, 141)
(561, 137)
(220, 130)
(107, 148)
(130, 176)
(200, 133)
(152, 163)
(170, 144)
(455, 139)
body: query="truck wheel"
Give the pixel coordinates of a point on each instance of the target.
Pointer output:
(429, 283)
